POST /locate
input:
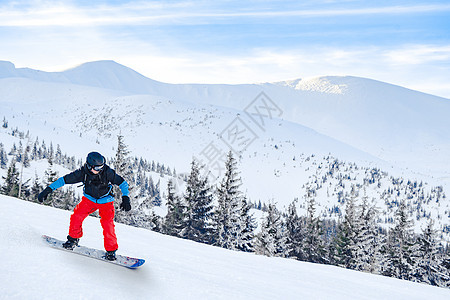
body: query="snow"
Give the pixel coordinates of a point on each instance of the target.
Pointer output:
(83, 109)
(357, 120)
(174, 268)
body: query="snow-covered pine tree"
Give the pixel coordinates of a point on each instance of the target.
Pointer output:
(271, 241)
(227, 218)
(36, 188)
(60, 198)
(51, 152)
(141, 183)
(368, 239)
(173, 221)
(400, 248)
(122, 166)
(68, 199)
(11, 185)
(198, 198)
(23, 186)
(345, 241)
(13, 150)
(26, 158)
(246, 241)
(145, 216)
(35, 150)
(58, 155)
(51, 176)
(430, 267)
(3, 157)
(294, 232)
(157, 195)
(151, 186)
(313, 248)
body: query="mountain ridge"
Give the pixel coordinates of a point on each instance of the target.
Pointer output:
(392, 123)
(8, 69)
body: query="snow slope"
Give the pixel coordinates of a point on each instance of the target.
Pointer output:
(174, 268)
(404, 127)
(158, 128)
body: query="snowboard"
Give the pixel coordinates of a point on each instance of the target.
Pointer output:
(124, 261)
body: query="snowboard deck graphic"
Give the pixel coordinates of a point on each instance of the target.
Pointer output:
(124, 261)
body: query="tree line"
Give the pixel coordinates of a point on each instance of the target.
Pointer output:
(221, 216)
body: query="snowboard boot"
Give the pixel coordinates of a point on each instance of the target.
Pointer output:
(70, 243)
(110, 255)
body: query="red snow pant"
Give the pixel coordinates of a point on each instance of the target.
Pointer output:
(106, 212)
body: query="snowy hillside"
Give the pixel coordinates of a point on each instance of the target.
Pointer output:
(174, 268)
(161, 129)
(392, 123)
(302, 126)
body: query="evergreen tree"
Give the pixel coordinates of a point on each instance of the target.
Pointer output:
(56, 198)
(58, 155)
(368, 240)
(400, 247)
(122, 165)
(430, 259)
(26, 158)
(36, 188)
(34, 150)
(11, 185)
(227, 216)
(25, 163)
(13, 150)
(345, 243)
(141, 181)
(3, 157)
(157, 195)
(173, 221)
(145, 217)
(51, 152)
(271, 240)
(246, 238)
(198, 198)
(294, 233)
(151, 190)
(313, 249)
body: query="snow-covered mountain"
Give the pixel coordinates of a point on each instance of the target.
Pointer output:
(401, 126)
(285, 131)
(174, 268)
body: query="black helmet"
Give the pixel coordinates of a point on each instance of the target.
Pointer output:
(95, 161)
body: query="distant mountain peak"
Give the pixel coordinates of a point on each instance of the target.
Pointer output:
(104, 64)
(7, 69)
(322, 84)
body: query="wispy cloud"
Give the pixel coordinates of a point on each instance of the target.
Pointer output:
(419, 54)
(177, 13)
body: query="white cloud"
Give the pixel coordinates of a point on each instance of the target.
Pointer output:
(419, 54)
(152, 13)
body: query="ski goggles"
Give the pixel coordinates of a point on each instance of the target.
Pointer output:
(96, 168)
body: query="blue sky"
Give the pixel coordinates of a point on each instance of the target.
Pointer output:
(401, 42)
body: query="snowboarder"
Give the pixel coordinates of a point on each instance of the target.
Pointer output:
(98, 179)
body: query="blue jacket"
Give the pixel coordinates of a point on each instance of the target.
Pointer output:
(97, 187)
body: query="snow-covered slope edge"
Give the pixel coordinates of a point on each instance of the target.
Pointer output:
(175, 268)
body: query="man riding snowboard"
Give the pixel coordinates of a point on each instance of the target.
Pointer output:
(98, 179)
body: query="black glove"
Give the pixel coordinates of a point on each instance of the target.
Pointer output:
(43, 195)
(125, 205)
